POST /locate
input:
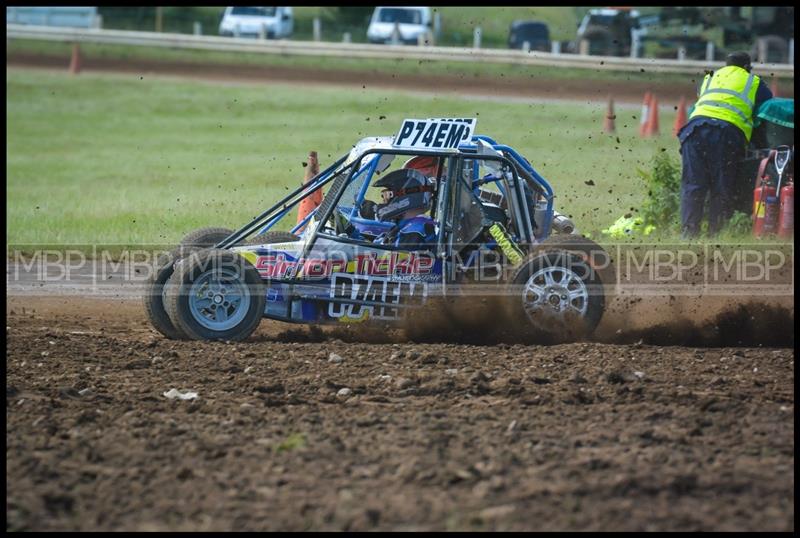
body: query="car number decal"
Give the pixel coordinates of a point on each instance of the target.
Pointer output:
(434, 133)
(371, 289)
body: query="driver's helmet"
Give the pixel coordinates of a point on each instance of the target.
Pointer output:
(403, 190)
(425, 164)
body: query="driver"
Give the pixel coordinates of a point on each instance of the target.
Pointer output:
(426, 164)
(407, 195)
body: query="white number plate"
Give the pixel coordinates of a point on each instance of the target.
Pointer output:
(435, 133)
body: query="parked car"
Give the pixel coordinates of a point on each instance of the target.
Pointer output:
(249, 21)
(536, 33)
(411, 22)
(611, 31)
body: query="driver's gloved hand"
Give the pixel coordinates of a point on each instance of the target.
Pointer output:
(367, 209)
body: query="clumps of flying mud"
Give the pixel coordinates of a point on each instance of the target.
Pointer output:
(693, 322)
(486, 320)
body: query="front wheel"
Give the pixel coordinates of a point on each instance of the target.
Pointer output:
(154, 287)
(215, 294)
(558, 294)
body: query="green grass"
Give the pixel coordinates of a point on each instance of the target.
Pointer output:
(129, 160)
(294, 441)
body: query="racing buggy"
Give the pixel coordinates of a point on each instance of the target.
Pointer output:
(491, 230)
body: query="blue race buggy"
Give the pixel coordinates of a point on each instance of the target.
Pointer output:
(495, 232)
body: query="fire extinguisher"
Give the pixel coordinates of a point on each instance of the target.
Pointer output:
(765, 201)
(786, 213)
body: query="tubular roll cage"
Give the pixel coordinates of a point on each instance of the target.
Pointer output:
(271, 216)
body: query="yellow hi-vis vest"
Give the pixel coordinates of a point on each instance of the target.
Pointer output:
(729, 95)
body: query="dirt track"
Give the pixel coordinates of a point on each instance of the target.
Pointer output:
(584, 436)
(531, 86)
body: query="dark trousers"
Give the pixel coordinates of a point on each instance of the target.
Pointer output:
(711, 157)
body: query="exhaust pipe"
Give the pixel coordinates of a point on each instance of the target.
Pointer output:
(562, 224)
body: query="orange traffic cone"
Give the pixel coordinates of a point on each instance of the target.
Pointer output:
(608, 123)
(645, 111)
(680, 119)
(75, 62)
(311, 202)
(774, 87)
(652, 117)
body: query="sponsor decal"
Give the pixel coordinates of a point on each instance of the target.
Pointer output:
(506, 244)
(400, 265)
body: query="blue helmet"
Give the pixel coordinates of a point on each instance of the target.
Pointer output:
(410, 190)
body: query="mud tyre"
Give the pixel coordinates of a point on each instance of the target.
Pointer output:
(558, 295)
(215, 294)
(154, 287)
(273, 237)
(592, 253)
(205, 237)
(154, 297)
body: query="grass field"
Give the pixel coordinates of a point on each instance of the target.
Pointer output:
(131, 160)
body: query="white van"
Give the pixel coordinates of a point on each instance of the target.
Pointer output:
(412, 22)
(248, 21)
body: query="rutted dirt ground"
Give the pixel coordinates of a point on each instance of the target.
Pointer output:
(434, 436)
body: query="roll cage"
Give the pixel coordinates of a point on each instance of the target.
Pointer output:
(343, 172)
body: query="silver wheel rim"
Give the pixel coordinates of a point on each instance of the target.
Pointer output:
(218, 300)
(555, 292)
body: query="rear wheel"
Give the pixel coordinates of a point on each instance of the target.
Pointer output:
(558, 294)
(205, 237)
(215, 294)
(273, 237)
(592, 253)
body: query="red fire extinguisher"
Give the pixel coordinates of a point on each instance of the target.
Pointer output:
(765, 201)
(786, 213)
